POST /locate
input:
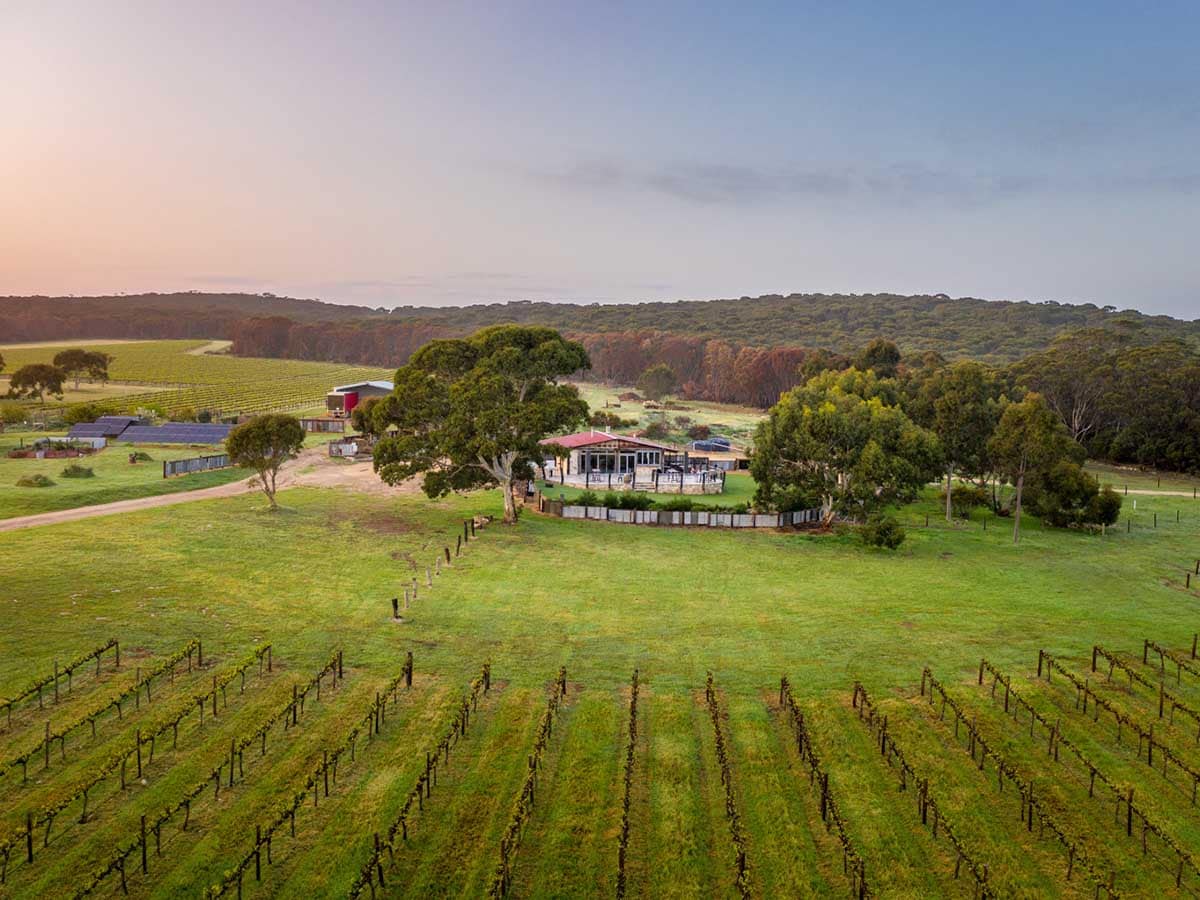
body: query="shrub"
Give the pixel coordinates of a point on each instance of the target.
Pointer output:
(1104, 508)
(966, 497)
(604, 419)
(611, 500)
(141, 456)
(631, 500)
(35, 481)
(882, 531)
(656, 431)
(678, 504)
(1067, 496)
(12, 412)
(699, 432)
(184, 414)
(587, 498)
(74, 470)
(84, 412)
(204, 416)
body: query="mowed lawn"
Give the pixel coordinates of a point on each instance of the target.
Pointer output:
(599, 599)
(115, 477)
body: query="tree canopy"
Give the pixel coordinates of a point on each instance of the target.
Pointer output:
(77, 362)
(658, 381)
(36, 380)
(835, 442)
(470, 412)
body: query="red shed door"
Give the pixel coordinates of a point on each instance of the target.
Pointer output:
(350, 401)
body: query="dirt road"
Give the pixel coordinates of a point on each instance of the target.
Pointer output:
(312, 468)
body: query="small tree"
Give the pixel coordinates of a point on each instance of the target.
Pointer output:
(880, 356)
(1030, 438)
(37, 380)
(658, 381)
(77, 362)
(264, 444)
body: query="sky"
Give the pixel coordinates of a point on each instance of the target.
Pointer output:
(443, 153)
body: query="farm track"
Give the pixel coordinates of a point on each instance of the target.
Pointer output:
(312, 468)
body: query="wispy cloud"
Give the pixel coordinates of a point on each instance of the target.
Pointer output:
(719, 184)
(904, 184)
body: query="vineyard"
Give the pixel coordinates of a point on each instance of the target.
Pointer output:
(995, 785)
(183, 377)
(228, 708)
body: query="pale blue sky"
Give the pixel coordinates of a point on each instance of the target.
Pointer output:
(449, 153)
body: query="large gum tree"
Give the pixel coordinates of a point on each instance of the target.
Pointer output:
(469, 413)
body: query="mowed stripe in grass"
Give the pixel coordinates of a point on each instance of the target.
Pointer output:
(570, 844)
(793, 855)
(679, 830)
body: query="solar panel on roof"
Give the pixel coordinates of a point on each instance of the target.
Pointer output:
(176, 433)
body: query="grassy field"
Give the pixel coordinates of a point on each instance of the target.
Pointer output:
(599, 600)
(736, 422)
(115, 478)
(174, 375)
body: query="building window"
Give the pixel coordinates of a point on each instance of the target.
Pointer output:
(647, 457)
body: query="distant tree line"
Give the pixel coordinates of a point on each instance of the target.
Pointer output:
(1125, 385)
(990, 331)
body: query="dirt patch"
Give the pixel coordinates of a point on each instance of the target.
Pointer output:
(382, 523)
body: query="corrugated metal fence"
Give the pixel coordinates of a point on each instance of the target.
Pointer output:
(172, 467)
(701, 518)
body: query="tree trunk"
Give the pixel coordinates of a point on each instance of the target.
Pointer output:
(1017, 510)
(949, 509)
(826, 511)
(269, 489)
(510, 505)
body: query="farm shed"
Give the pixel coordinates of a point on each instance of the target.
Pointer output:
(601, 459)
(341, 400)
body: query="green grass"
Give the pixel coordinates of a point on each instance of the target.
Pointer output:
(178, 374)
(600, 600)
(115, 478)
(737, 422)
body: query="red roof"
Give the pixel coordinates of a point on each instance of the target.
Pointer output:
(590, 438)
